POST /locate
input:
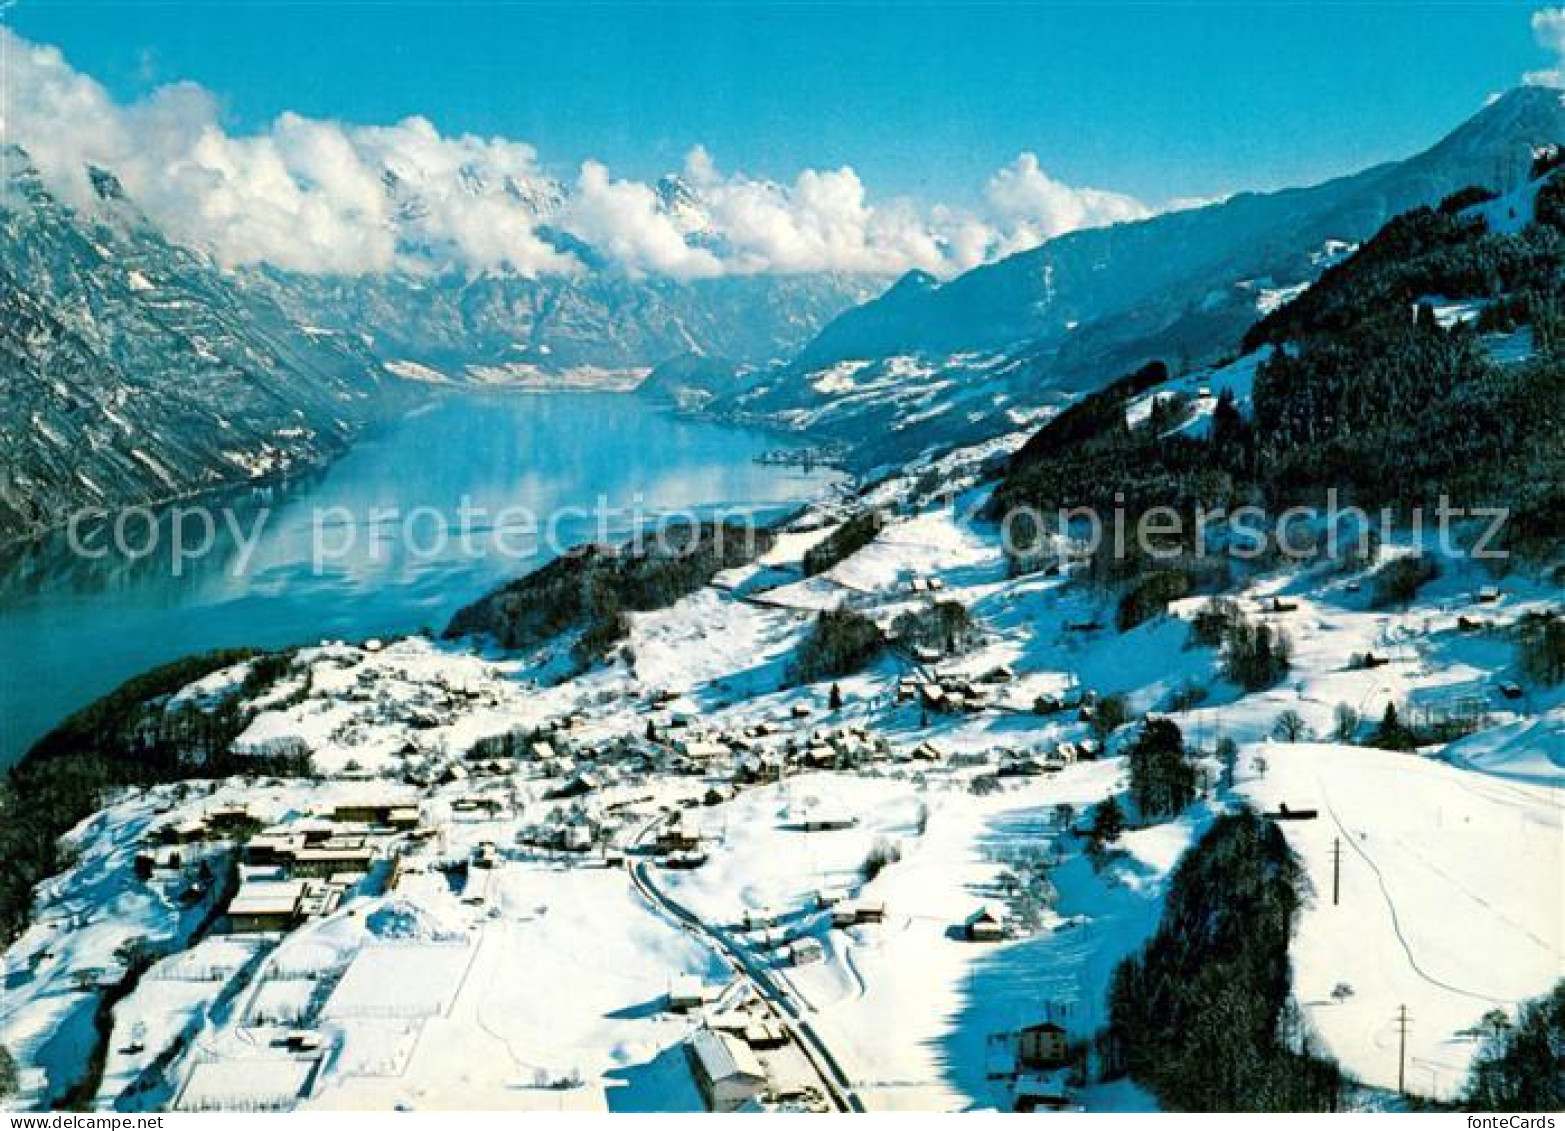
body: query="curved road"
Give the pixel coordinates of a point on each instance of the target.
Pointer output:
(835, 1081)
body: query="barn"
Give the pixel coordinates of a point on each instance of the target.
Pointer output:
(727, 1072)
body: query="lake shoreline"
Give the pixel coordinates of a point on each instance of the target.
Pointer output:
(74, 629)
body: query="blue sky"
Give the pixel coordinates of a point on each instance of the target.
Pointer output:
(1157, 100)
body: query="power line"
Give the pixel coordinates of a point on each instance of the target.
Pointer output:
(1403, 1021)
(1336, 869)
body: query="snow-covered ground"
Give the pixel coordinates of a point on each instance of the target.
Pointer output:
(1450, 902)
(488, 959)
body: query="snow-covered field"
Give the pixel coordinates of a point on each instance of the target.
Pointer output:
(1450, 902)
(510, 949)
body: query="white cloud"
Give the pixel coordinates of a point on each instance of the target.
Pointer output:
(1548, 28)
(623, 221)
(1032, 206)
(330, 197)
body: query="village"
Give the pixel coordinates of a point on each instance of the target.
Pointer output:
(680, 880)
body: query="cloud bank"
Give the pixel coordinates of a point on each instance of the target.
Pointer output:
(328, 197)
(1548, 28)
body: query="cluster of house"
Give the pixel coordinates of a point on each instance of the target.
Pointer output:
(740, 1052)
(952, 694)
(303, 869)
(1050, 759)
(766, 751)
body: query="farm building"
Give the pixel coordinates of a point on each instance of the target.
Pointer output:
(681, 834)
(266, 905)
(1048, 1092)
(851, 912)
(805, 951)
(685, 992)
(726, 1071)
(986, 924)
(1041, 1046)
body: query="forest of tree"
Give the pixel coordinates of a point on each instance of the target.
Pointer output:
(1521, 1064)
(1371, 396)
(1202, 1016)
(1162, 778)
(593, 588)
(126, 738)
(849, 538)
(840, 643)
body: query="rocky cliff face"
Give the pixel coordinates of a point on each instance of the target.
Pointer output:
(134, 372)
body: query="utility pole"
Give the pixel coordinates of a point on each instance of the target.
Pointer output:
(1336, 869)
(1402, 1024)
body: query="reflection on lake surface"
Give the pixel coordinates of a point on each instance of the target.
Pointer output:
(412, 523)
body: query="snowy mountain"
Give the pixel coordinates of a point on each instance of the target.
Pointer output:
(137, 371)
(1083, 308)
(134, 372)
(594, 323)
(603, 323)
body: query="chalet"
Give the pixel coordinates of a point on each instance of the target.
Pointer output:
(337, 854)
(1488, 595)
(849, 913)
(825, 819)
(389, 815)
(829, 897)
(760, 918)
(759, 769)
(800, 711)
(820, 756)
(578, 785)
(686, 992)
(359, 813)
(1044, 1092)
(1511, 690)
(183, 832)
(803, 952)
(702, 749)
(986, 924)
(1278, 605)
(228, 819)
(1044, 1045)
(765, 1034)
(1284, 813)
(726, 1070)
(266, 905)
(680, 834)
(927, 752)
(685, 859)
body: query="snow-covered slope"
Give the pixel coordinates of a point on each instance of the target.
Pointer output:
(505, 963)
(1088, 306)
